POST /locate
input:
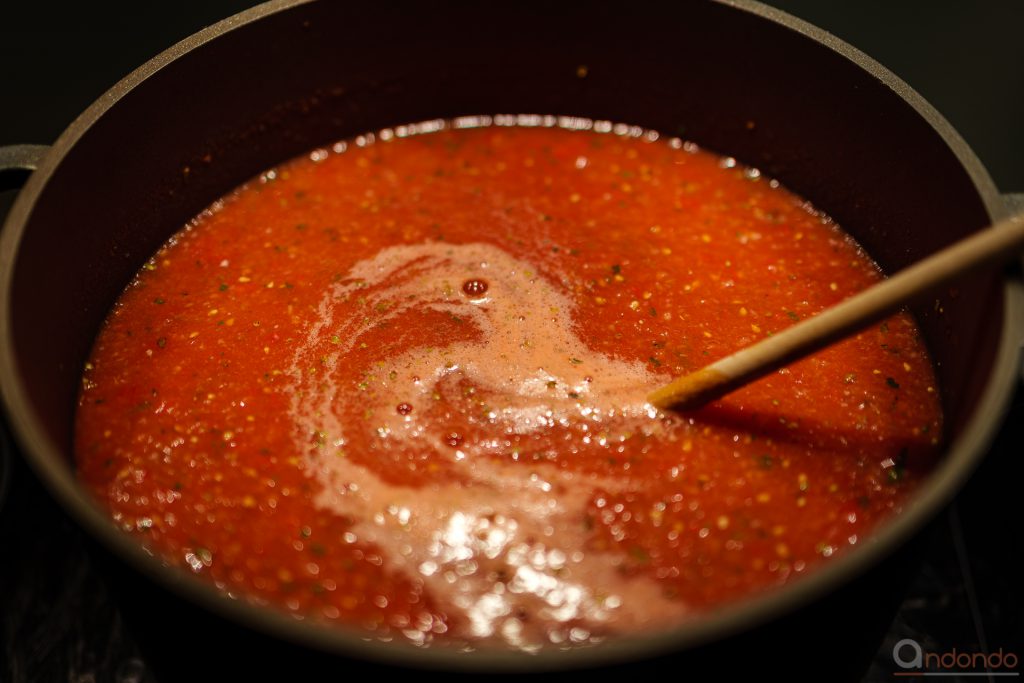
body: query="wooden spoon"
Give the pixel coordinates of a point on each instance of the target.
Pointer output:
(995, 244)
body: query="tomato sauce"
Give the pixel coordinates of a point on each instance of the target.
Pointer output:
(398, 385)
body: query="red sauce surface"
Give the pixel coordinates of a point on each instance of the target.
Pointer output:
(399, 385)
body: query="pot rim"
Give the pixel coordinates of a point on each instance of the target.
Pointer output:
(959, 460)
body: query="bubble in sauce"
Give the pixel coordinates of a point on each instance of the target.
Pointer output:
(475, 287)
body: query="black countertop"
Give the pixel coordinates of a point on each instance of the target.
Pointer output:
(59, 622)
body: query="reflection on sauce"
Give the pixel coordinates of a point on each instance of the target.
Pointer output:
(399, 385)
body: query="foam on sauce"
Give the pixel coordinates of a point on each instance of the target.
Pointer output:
(499, 544)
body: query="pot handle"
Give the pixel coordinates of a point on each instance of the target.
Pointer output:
(15, 160)
(16, 163)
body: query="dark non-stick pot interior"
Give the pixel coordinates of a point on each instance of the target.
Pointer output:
(220, 108)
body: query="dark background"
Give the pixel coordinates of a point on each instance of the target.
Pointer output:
(967, 58)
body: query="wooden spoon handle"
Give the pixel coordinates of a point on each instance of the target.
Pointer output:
(993, 245)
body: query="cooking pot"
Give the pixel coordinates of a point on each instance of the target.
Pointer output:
(285, 77)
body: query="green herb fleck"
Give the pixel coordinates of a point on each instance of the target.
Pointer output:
(899, 467)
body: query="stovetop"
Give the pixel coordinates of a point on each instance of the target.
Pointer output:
(58, 619)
